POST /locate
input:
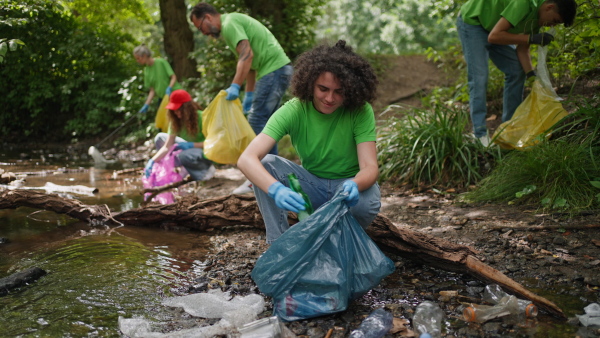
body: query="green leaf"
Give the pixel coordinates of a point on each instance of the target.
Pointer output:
(526, 191)
(3, 48)
(595, 184)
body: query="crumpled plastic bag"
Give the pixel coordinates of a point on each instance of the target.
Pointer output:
(227, 131)
(164, 172)
(540, 110)
(161, 121)
(320, 264)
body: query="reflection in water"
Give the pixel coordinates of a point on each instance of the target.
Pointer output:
(91, 281)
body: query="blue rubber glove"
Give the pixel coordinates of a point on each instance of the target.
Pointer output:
(352, 189)
(233, 92)
(144, 109)
(184, 145)
(286, 198)
(247, 102)
(168, 91)
(148, 168)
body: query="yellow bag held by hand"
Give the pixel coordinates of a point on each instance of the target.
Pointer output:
(226, 129)
(162, 120)
(540, 110)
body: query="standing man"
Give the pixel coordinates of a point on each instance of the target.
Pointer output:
(262, 64)
(503, 30)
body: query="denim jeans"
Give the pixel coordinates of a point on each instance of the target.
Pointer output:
(267, 97)
(477, 51)
(319, 190)
(191, 159)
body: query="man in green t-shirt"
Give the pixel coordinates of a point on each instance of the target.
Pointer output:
(262, 64)
(503, 31)
(332, 127)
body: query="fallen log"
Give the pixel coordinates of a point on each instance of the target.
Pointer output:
(196, 214)
(19, 279)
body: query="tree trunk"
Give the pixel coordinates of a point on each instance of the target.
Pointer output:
(193, 213)
(178, 39)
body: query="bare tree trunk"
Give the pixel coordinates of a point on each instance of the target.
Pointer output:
(179, 39)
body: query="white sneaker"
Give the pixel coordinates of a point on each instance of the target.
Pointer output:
(210, 173)
(245, 188)
(485, 140)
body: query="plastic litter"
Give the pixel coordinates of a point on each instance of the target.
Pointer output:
(376, 325)
(296, 187)
(320, 264)
(163, 172)
(427, 319)
(591, 316)
(270, 327)
(234, 312)
(483, 313)
(493, 293)
(98, 158)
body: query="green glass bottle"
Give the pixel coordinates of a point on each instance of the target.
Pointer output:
(296, 187)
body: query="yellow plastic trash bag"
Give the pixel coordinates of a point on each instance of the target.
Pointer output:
(162, 120)
(540, 110)
(226, 129)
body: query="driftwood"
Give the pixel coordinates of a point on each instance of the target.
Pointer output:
(19, 279)
(243, 210)
(155, 191)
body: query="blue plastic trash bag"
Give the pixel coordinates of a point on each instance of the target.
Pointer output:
(320, 264)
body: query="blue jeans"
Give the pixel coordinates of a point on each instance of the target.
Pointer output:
(267, 97)
(191, 159)
(319, 190)
(477, 51)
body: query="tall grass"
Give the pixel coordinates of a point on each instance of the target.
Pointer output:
(555, 174)
(431, 147)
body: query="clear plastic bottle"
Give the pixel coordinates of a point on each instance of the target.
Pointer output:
(296, 187)
(482, 313)
(427, 320)
(493, 293)
(376, 325)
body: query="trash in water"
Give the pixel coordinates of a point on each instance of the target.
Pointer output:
(493, 293)
(427, 319)
(483, 313)
(376, 325)
(234, 313)
(591, 316)
(98, 158)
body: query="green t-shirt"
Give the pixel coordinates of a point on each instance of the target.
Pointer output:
(268, 54)
(184, 134)
(522, 14)
(326, 143)
(158, 76)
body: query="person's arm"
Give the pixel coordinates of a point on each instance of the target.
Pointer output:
(244, 63)
(524, 58)
(367, 162)
(249, 162)
(150, 97)
(173, 80)
(500, 35)
(165, 148)
(250, 80)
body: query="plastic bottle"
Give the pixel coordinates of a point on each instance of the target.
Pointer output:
(376, 325)
(482, 313)
(493, 293)
(427, 320)
(296, 187)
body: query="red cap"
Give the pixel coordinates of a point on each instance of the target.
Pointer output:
(177, 98)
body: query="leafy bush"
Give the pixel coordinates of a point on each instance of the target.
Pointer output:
(64, 82)
(431, 147)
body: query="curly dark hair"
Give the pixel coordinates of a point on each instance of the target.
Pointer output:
(356, 76)
(189, 118)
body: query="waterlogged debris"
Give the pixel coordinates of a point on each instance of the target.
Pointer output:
(591, 316)
(234, 313)
(98, 158)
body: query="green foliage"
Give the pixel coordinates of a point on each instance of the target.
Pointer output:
(64, 82)
(8, 44)
(431, 147)
(389, 26)
(555, 174)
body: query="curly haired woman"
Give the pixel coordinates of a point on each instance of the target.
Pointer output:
(332, 126)
(185, 129)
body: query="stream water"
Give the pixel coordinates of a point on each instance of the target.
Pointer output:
(94, 275)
